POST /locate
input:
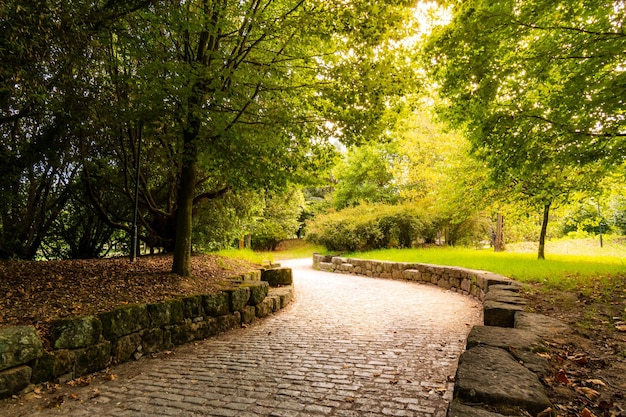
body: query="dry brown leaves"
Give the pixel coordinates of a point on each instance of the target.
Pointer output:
(36, 292)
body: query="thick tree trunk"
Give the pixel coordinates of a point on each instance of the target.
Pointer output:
(544, 230)
(186, 192)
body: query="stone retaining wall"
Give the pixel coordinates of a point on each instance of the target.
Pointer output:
(80, 345)
(499, 369)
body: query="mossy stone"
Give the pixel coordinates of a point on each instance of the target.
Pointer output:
(192, 306)
(19, 345)
(277, 277)
(239, 297)
(75, 332)
(123, 348)
(258, 291)
(217, 304)
(165, 313)
(92, 359)
(14, 380)
(125, 320)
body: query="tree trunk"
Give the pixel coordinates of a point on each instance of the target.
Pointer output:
(499, 241)
(544, 230)
(186, 192)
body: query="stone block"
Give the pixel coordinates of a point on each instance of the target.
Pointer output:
(52, 365)
(239, 297)
(228, 322)
(122, 349)
(91, 359)
(492, 376)
(265, 308)
(75, 332)
(258, 291)
(14, 380)
(512, 287)
(279, 276)
(466, 285)
(275, 302)
(166, 313)
(505, 338)
(539, 324)
(504, 296)
(216, 304)
(454, 282)
(123, 321)
(183, 333)
(248, 314)
(192, 306)
(500, 314)
(19, 345)
(397, 274)
(152, 340)
(285, 294)
(412, 274)
(325, 266)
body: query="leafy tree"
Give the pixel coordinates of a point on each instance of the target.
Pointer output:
(280, 218)
(535, 84)
(365, 175)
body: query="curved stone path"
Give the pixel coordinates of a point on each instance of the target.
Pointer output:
(348, 346)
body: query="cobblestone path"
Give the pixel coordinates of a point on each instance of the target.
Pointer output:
(348, 346)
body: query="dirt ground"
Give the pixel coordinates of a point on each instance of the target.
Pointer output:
(37, 292)
(588, 376)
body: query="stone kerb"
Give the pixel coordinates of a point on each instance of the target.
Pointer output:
(83, 345)
(500, 367)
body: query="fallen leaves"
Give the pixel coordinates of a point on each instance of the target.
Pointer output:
(37, 292)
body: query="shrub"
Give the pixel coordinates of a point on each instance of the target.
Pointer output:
(370, 226)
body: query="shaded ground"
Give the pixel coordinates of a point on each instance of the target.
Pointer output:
(36, 292)
(588, 376)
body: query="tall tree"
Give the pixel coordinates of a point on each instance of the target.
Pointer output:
(537, 86)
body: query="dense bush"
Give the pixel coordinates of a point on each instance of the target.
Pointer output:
(371, 226)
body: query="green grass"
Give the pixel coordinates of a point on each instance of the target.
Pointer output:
(566, 272)
(259, 258)
(291, 249)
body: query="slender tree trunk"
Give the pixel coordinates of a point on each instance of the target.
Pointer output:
(544, 230)
(186, 193)
(499, 241)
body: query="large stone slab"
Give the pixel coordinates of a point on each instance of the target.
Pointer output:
(457, 409)
(19, 345)
(123, 321)
(505, 296)
(75, 332)
(505, 338)
(492, 376)
(539, 324)
(277, 277)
